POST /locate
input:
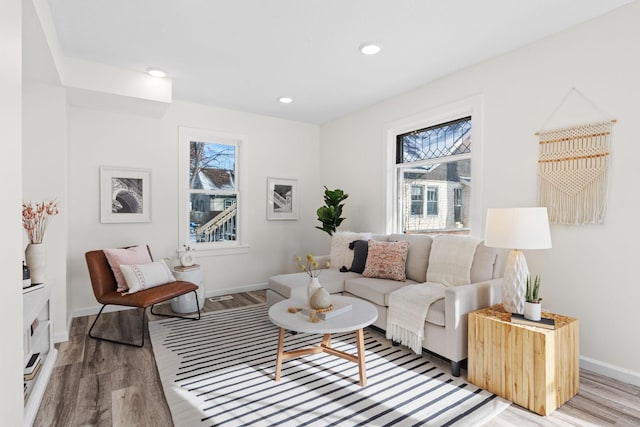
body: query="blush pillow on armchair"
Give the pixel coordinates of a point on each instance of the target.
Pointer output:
(128, 256)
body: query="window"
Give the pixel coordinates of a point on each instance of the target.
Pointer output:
(211, 190)
(432, 201)
(417, 199)
(437, 158)
(457, 205)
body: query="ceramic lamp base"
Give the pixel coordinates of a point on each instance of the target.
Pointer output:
(514, 283)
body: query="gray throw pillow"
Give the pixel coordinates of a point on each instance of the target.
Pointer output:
(360, 251)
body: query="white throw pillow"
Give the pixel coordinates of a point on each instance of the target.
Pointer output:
(144, 276)
(340, 254)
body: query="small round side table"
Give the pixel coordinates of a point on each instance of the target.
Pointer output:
(187, 303)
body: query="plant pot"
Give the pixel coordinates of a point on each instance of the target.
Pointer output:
(532, 310)
(36, 259)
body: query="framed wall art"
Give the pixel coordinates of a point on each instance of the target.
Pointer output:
(282, 199)
(125, 195)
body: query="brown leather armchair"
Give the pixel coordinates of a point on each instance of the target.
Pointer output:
(104, 288)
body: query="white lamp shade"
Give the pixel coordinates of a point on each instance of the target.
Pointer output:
(518, 228)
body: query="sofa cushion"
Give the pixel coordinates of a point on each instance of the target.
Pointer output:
(373, 290)
(340, 255)
(360, 251)
(331, 280)
(418, 255)
(451, 259)
(483, 263)
(386, 260)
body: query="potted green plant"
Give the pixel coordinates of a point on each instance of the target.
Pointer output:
(532, 306)
(330, 214)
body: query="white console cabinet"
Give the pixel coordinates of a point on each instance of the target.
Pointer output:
(37, 314)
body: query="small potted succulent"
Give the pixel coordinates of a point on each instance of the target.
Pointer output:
(532, 306)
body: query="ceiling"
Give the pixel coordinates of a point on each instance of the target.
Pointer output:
(245, 54)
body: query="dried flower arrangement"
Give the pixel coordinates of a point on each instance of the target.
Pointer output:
(35, 218)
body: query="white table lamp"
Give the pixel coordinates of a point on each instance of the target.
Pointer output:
(517, 229)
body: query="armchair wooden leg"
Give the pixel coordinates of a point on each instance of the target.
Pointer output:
(132, 344)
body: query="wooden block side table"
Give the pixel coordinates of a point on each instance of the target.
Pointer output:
(533, 367)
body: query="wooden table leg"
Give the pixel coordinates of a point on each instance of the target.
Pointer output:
(280, 353)
(361, 358)
(326, 340)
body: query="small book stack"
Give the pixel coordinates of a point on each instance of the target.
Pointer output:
(338, 308)
(33, 367)
(34, 325)
(544, 322)
(186, 267)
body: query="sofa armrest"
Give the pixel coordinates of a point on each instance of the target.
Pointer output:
(461, 300)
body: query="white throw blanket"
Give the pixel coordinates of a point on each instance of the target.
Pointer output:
(450, 264)
(451, 259)
(408, 309)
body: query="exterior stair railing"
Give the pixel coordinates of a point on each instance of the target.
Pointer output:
(220, 227)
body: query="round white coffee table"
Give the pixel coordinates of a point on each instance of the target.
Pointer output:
(362, 314)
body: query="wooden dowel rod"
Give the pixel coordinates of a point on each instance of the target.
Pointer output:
(591, 156)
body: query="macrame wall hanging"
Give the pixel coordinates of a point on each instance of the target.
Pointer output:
(573, 170)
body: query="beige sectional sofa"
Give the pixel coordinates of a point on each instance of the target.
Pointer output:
(445, 328)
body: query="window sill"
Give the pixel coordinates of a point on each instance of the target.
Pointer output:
(227, 250)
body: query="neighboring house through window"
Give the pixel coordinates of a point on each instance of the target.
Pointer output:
(211, 189)
(430, 175)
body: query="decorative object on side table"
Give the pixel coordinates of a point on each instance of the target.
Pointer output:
(329, 214)
(35, 219)
(187, 256)
(532, 306)
(516, 229)
(312, 268)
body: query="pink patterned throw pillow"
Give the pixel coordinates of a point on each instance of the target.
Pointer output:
(386, 260)
(133, 255)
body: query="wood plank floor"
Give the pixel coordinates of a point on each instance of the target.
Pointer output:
(96, 383)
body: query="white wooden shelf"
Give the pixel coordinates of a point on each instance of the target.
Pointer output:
(36, 306)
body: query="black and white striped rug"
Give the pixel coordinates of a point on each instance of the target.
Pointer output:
(219, 371)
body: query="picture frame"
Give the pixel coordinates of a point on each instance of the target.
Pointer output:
(282, 199)
(125, 195)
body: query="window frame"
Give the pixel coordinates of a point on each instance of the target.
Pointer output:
(432, 189)
(420, 201)
(240, 245)
(472, 106)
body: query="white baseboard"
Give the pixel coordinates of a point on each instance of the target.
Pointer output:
(611, 371)
(228, 291)
(88, 311)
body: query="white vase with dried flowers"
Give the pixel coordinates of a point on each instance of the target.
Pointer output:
(312, 268)
(35, 219)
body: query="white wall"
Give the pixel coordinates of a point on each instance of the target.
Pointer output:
(11, 400)
(276, 148)
(45, 178)
(590, 272)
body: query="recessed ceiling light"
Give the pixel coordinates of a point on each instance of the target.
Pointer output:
(285, 100)
(370, 48)
(156, 73)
